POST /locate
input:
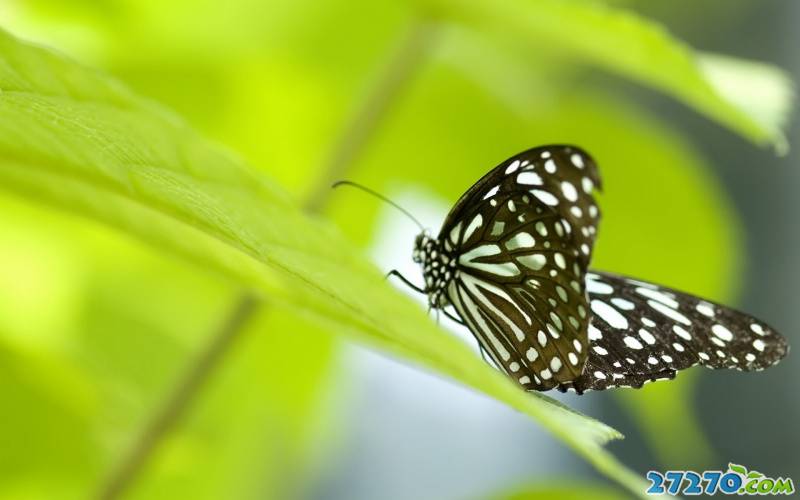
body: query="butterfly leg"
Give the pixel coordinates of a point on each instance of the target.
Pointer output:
(395, 272)
(457, 320)
(483, 355)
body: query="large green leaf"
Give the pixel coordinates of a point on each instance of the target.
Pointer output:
(76, 139)
(95, 328)
(632, 46)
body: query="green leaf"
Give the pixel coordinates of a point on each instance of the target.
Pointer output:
(634, 47)
(74, 138)
(89, 347)
(762, 91)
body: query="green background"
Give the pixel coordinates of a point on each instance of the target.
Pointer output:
(101, 316)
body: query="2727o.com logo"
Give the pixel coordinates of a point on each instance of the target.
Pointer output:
(737, 480)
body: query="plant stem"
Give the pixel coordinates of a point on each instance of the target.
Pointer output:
(181, 398)
(397, 75)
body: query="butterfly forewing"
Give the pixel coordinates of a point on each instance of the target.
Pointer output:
(559, 178)
(522, 237)
(642, 332)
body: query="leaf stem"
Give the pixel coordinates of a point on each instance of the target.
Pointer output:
(398, 73)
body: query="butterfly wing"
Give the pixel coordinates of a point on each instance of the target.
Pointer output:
(642, 332)
(523, 237)
(560, 178)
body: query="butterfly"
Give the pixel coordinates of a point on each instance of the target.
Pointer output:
(512, 260)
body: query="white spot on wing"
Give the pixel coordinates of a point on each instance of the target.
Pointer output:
(669, 312)
(681, 332)
(491, 192)
(534, 262)
(659, 296)
(530, 178)
(542, 338)
(632, 343)
(609, 314)
(475, 224)
(454, 233)
(498, 227)
(545, 197)
(705, 309)
(722, 332)
(520, 240)
(512, 167)
(647, 336)
(623, 304)
(570, 193)
(598, 287)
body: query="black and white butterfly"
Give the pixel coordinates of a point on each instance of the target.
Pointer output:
(512, 259)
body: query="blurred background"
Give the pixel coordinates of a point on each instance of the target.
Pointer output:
(95, 327)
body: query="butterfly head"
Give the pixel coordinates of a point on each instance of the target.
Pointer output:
(438, 268)
(422, 245)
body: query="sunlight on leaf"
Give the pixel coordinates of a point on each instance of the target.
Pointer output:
(73, 138)
(761, 90)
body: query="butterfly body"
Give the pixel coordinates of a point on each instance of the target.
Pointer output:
(438, 268)
(512, 260)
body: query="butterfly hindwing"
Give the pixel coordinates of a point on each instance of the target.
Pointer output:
(522, 237)
(642, 332)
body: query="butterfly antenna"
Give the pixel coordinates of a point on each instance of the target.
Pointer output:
(380, 197)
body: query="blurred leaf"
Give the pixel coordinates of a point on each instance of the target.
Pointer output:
(635, 47)
(74, 138)
(562, 491)
(667, 418)
(258, 428)
(129, 324)
(279, 87)
(762, 91)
